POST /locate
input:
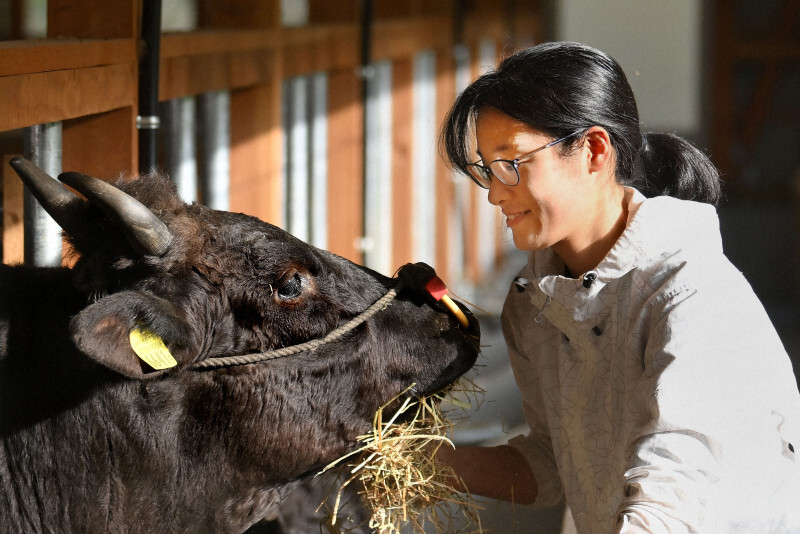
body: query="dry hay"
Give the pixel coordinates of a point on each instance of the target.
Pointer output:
(400, 480)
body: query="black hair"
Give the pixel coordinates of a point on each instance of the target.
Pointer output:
(560, 88)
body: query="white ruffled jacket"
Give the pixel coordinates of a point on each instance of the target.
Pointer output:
(658, 394)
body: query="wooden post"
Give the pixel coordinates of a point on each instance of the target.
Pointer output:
(255, 184)
(256, 143)
(345, 164)
(103, 145)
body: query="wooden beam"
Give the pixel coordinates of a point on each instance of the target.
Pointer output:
(327, 12)
(326, 48)
(243, 14)
(93, 19)
(58, 95)
(217, 41)
(196, 74)
(200, 62)
(197, 62)
(397, 39)
(29, 57)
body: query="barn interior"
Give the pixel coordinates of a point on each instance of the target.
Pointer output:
(323, 117)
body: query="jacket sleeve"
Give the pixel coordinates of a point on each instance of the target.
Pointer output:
(714, 373)
(536, 447)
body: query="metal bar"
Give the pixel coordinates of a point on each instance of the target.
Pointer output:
(377, 241)
(180, 147)
(366, 71)
(424, 157)
(43, 244)
(318, 113)
(297, 157)
(148, 120)
(214, 111)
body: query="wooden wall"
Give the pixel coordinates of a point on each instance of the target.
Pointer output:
(85, 74)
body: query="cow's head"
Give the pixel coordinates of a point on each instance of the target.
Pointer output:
(211, 284)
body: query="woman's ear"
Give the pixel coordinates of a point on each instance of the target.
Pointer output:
(601, 153)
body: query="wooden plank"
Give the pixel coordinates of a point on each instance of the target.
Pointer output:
(219, 41)
(196, 74)
(54, 96)
(345, 164)
(224, 59)
(526, 22)
(239, 13)
(94, 19)
(13, 215)
(103, 145)
(385, 9)
(256, 142)
(402, 211)
(484, 25)
(27, 57)
(341, 11)
(256, 148)
(101, 102)
(396, 39)
(313, 49)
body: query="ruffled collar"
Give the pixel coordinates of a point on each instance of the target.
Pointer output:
(656, 228)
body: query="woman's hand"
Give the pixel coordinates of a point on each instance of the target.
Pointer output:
(494, 472)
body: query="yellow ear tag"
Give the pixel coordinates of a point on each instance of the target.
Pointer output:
(151, 349)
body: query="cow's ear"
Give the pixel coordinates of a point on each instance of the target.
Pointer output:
(136, 334)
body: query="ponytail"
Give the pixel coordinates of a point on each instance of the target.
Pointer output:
(672, 166)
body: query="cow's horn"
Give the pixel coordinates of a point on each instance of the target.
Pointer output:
(146, 233)
(53, 196)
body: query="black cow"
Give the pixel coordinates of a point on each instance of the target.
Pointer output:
(93, 439)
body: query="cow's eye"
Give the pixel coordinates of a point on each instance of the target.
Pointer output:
(291, 287)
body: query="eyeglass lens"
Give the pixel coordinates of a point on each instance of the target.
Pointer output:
(503, 170)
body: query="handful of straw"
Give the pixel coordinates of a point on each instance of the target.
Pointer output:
(402, 482)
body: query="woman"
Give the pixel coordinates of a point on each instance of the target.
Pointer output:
(658, 395)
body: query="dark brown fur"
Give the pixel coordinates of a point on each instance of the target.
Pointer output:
(93, 440)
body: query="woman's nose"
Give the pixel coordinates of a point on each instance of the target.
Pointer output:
(498, 191)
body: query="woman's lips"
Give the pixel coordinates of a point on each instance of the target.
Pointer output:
(514, 218)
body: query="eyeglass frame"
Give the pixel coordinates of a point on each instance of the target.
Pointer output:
(487, 169)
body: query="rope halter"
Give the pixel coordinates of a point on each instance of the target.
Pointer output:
(228, 361)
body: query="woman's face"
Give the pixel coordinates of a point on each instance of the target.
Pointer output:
(551, 204)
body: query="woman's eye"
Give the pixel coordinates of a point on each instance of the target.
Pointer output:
(506, 166)
(291, 287)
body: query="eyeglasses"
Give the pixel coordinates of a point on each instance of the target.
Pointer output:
(505, 170)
